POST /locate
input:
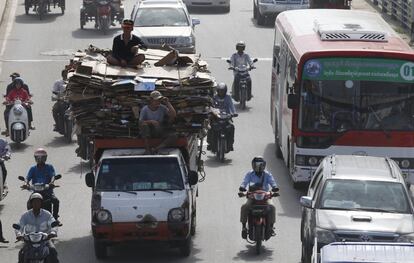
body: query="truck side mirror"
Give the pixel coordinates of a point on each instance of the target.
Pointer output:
(90, 179)
(193, 178)
(293, 101)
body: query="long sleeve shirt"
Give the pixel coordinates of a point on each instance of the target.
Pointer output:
(29, 222)
(238, 60)
(252, 178)
(224, 104)
(4, 148)
(16, 93)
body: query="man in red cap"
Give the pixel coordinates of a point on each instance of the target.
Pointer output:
(125, 47)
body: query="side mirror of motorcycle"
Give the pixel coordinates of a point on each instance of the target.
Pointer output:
(54, 224)
(58, 176)
(255, 60)
(193, 178)
(16, 226)
(90, 179)
(293, 101)
(228, 61)
(21, 178)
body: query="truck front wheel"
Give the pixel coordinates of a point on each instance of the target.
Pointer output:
(100, 249)
(185, 247)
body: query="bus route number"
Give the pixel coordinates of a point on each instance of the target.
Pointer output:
(407, 71)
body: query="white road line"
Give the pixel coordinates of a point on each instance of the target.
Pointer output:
(225, 58)
(12, 5)
(32, 60)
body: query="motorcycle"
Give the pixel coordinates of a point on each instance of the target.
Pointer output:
(65, 122)
(219, 129)
(35, 248)
(18, 123)
(43, 189)
(3, 189)
(258, 230)
(104, 15)
(243, 75)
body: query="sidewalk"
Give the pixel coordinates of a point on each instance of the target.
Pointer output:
(369, 6)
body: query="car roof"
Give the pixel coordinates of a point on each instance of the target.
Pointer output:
(161, 3)
(354, 167)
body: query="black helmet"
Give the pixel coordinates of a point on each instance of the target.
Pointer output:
(222, 89)
(258, 164)
(240, 44)
(18, 80)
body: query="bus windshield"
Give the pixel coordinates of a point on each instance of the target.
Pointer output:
(340, 94)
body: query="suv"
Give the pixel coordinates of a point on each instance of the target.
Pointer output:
(265, 10)
(164, 22)
(353, 199)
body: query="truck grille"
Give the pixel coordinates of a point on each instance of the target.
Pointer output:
(161, 40)
(366, 237)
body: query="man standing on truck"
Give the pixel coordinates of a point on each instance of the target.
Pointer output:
(152, 121)
(125, 47)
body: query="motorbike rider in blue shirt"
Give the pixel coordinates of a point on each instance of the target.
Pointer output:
(224, 103)
(258, 176)
(239, 59)
(44, 173)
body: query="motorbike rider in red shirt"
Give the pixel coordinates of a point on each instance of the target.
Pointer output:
(18, 92)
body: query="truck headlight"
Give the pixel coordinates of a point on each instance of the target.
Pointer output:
(409, 238)
(325, 236)
(405, 164)
(176, 215)
(104, 216)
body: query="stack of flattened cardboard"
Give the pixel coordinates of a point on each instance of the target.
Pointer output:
(106, 100)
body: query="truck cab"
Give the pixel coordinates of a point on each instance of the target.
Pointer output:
(143, 198)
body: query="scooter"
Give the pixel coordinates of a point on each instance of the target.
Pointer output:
(43, 189)
(65, 122)
(258, 229)
(104, 10)
(219, 128)
(3, 189)
(243, 75)
(18, 123)
(35, 248)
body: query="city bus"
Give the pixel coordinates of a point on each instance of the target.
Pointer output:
(342, 83)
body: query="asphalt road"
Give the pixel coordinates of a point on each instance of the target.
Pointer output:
(39, 50)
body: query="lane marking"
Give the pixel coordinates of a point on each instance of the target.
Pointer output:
(9, 25)
(32, 60)
(225, 58)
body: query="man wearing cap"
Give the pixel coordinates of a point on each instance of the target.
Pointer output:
(38, 220)
(12, 85)
(152, 120)
(125, 47)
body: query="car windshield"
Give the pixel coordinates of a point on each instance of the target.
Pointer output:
(139, 174)
(156, 17)
(373, 196)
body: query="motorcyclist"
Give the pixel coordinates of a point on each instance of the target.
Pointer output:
(11, 86)
(258, 175)
(37, 220)
(44, 173)
(18, 92)
(239, 59)
(58, 90)
(224, 103)
(5, 153)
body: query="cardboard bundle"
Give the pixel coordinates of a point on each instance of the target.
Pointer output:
(106, 100)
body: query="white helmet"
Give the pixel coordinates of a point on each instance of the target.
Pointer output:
(40, 155)
(35, 196)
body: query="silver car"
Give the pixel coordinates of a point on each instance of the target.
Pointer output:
(164, 23)
(356, 199)
(222, 4)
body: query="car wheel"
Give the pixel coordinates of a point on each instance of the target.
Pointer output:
(261, 19)
(185, 248)
(226, 9)
(306, 256)
(100, 249)
(254, 11)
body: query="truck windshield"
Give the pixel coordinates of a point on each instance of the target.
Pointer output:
(340, 94)
(140, 174)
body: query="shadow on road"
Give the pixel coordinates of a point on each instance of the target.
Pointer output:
(249, 254)
(212, 161)
(19, 147)
(82, 250)
(58, 141)
(95, 33)
(32, 18)
(80, 169)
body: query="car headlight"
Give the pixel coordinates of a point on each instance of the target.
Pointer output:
(325, 236)
(176, 215)
(104, 216)
(406, 238)
(185, 40)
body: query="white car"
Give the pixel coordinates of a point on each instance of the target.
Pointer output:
(224, 4)
(164, 22)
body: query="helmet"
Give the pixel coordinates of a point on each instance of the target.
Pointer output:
(222, 89)
(240, 44)
(35, 196)
(258, 164)
(40, 155)
(18, 80)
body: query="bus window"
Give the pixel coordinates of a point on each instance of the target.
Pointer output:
(276, 46)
